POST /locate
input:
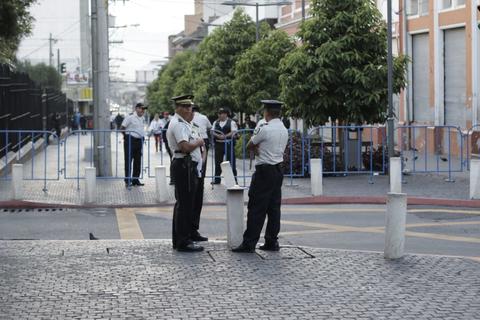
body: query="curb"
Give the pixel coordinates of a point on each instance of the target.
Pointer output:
(325, 200)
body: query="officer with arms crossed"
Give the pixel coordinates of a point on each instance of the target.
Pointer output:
(265, 194)
(184, 171)
(133, 144)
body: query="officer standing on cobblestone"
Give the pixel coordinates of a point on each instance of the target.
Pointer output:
(200, 127)
(184, 171)
(133, 144)
(265, 194)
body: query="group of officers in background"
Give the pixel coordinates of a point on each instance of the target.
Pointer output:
(188, 142)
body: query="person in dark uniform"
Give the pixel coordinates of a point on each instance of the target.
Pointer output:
(264, 197)
(133, 144)
(223, 131)
(200, 127)
(185, 172)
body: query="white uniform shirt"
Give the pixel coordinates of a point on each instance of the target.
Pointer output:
(134, 125)
(155, 126)
(203, 124)
(197, 153)
(164, 121)
(180, 130)
(271, 138)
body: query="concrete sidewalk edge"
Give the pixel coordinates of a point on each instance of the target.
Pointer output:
(326, 200)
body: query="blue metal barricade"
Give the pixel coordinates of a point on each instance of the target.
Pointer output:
(75, 164)
(38, 150)
(348, 149)
(431, 149)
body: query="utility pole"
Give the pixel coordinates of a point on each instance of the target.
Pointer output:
(51, 41)
(58, 61)
(101, 118)
(303, 10)
(390, 116)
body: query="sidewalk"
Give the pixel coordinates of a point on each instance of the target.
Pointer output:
(64, 189)
(147, 280)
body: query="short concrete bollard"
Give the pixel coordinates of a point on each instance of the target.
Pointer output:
(161, 183)
(235, 219)
(395, 225)
(475, 179)
(90, 184)
(17, 181)
(316, 177)
(395, 174)
(228, 177)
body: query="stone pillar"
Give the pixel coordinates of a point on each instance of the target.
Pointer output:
(235, 219)
(228, 177)
(17, 181)
(316, 177)
(90, 184)
(161, 183)
(395, 174)
(475, 179)
(395, 225)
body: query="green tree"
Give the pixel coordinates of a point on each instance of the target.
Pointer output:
(256, 72)
(15, 23)
(43, 75)
(160, 91)
(340, 68)
(212, 71)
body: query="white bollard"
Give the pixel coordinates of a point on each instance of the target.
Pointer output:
(235, 220)
(228, 177)
(395, 225)
(316, 177)
(90, 184)
(161, 183)
(475, 179)
(395, 174)
(17, 181)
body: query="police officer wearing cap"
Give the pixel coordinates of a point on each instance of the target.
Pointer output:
(185, 172)
(133, 143)
(223, 132)
(269, 140)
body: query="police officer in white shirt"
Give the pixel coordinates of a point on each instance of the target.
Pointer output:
(184, 171)
(265, 193)
(133, 144)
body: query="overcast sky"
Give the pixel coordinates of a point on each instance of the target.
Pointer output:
(149, 41)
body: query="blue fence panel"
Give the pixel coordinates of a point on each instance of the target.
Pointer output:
(348, 149)
(431, 149)
(31, 147)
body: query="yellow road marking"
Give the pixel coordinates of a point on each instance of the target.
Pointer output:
(128, 224)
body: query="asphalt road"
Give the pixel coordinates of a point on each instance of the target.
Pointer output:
(431, 230)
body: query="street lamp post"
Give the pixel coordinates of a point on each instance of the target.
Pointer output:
(390, 116)
(256, 5)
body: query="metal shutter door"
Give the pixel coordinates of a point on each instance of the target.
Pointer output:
(420, 78)
(455, 77)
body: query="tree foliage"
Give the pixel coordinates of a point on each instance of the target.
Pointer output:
(340, 69)
(15, 23)
(43, 75)
(162, 89)
(256, 71)
(213, 67)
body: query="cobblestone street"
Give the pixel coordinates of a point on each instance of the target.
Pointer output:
(147, 280)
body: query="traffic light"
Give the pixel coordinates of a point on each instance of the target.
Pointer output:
(63, 68)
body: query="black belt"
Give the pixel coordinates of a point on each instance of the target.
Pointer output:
(128, 136)
(265, 165)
